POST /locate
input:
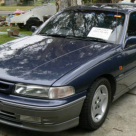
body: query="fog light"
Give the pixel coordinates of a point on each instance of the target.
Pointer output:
(30, 119)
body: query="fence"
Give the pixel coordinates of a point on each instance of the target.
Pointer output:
(10, 2)
(28, 3)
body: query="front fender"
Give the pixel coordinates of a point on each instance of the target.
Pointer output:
(82, 77)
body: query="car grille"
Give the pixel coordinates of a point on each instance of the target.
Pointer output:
(6, 87)
(8, 116)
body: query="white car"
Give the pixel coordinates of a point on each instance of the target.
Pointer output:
(34, 16)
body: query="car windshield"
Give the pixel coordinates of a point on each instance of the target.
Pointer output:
(92, 25)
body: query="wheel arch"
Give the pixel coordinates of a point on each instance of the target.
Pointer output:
(32, 18)
(29, 18)
(112, 81)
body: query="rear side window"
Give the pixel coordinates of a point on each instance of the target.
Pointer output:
(132, 25)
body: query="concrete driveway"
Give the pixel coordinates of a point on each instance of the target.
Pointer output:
(121, 121)
(6, 12)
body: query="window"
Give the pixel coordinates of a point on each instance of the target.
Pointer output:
(132, 25)
(82, 23)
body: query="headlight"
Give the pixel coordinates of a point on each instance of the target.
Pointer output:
(39, 91)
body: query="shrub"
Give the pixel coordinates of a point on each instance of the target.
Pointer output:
(19, 4)
(3, 4)
(25, 4)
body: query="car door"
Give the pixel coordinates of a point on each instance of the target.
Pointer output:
(130, 52)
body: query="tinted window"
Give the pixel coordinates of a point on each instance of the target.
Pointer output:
(132, 25)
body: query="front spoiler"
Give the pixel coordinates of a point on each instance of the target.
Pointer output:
(54, 119)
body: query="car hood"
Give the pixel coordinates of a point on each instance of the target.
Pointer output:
(42, 60)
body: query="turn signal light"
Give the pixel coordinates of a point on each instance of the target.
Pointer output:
(120, 67)
(30, 119)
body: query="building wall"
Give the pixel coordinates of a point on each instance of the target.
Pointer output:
(112, 1)
(10, 2)
(129, 1)
(1, 1)
(126, 1)
(116, 1)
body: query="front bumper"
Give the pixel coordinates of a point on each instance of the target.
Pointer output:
(53, 118)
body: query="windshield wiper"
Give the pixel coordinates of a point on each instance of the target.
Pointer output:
(96, 39)
(75, 37)
(53, 35)
(87, 38)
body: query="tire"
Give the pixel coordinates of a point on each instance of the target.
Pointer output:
(32, 22)
(91, 118)
(21, 25)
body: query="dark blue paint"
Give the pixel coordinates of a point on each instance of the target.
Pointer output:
(42, 60)
(82, 77)
(55, 61)
(52, 61)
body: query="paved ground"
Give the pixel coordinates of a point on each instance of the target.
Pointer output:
(6, 12)
(121, 121)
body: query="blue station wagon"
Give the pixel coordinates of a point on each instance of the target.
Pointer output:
(70, 69)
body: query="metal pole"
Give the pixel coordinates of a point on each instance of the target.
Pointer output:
(34, 2)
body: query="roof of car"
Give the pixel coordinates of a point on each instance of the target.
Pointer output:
(121, 7)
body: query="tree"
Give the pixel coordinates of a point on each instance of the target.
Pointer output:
(67, 3)
(132, 1)
(60, 4)
(25, 2)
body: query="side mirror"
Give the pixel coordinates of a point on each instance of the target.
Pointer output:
(130, 41)
(33, 28)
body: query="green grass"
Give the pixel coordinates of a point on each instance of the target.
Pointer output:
(4, 28)
(5, 38)
(24, 31)
(53, 2)
(40, 3)
(13, 8)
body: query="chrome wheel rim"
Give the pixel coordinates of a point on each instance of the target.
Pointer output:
(99, 103)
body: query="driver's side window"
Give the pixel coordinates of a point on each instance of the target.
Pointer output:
(132, 25)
